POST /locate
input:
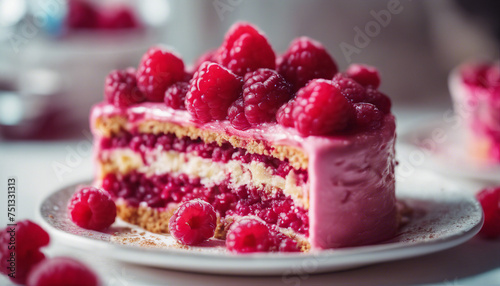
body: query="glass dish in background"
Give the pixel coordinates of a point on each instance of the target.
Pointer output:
(51, 74)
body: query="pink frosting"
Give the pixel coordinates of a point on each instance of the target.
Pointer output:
(352, 186)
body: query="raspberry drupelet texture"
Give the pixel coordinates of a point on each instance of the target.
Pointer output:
(193, 222)
(62, 271)
(212, 90)
(368, 117)
(356, 93)
(305, 60)
(490, 202)
(158, 70)
(287, 244)
(209, 56)
(284, 114)
(120, 88)
(29, 238)
(321, 109)
(350, 88)
(175, 95)
(248, 235)
(364, 74)
(245, 49)
(264, 91)
(236, 115)
(380, 100)
(92, 208)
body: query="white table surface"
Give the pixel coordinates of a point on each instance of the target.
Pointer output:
(477, 262)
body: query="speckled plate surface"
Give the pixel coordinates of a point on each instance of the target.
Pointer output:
(444, 217)
(438, 144)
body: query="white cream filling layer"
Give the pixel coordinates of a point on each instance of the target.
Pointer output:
(158, 162)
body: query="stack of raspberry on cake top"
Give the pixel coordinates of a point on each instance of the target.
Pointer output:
(271, 153)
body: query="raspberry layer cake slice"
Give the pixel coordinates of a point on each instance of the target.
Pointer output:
(475, 89)
(296, 147)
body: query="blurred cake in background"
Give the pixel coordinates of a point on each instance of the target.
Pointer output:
(54, 57)
(475, 89)
(86, 15)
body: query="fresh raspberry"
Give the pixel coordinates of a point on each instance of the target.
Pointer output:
(350, 88)
(224, 202)
(158, 70)
(193, 222)
(62, 271)
(490, 201)
(28, 238)
(321, 109)
(175, 95)
(356, 93)
(248, 235)
(364, 74)
(114, 18)
(288, 245)
(264, 91)
(305, 60)
(212, 90)
(110, 182)
(81, 15)
(210, 56)
(284, 114)
(368, 117)
(236, 115)
(92, 208)
(245, 49)
(280, 242)
(120, 88)
(380, 100)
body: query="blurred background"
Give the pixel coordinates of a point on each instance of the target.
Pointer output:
(55, 54)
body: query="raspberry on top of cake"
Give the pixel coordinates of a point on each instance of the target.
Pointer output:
(284, 146)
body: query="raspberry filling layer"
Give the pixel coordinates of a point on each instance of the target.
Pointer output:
(166, 142)
(158, 191)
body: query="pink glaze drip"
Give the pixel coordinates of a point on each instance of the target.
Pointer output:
(270, 133)
(351, 177)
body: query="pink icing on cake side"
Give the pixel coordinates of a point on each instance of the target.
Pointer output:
(351, 177)
(352, 188)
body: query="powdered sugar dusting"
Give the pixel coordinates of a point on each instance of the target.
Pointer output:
(443, 216)
(439, 210)
(128, 234)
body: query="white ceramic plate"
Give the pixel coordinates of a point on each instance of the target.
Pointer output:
(443, 218)
(440, 146)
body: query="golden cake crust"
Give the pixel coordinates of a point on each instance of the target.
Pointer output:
(148, 218)
(156, 221)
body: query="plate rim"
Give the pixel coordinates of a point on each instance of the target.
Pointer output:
(424, 126)
(371, 253)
